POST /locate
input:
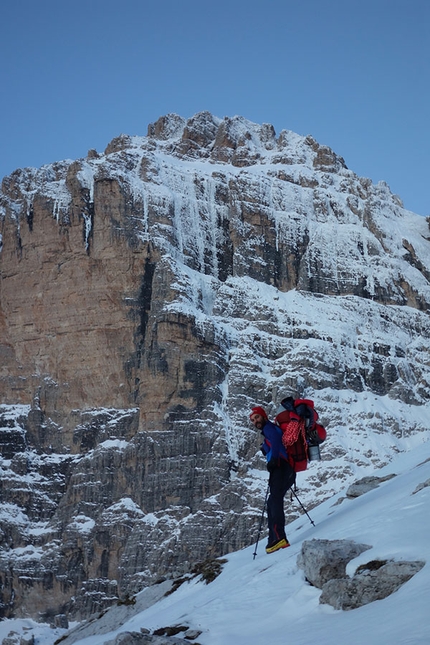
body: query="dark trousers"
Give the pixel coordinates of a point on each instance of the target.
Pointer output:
(280, 480)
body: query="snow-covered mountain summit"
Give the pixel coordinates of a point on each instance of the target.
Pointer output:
(150, 295)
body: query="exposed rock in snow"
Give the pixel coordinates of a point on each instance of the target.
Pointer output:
(324, 560)
(374, 581)
(137, 638)
(365, 484)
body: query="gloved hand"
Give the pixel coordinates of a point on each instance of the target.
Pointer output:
(264, 449)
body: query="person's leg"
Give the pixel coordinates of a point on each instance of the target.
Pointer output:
(280, 481)
(275, 506)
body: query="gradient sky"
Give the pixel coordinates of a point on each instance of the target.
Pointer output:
(353, 73)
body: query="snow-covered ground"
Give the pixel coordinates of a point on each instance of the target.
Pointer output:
(267, 599)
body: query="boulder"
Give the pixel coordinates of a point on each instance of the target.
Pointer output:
(364, 485)
(324, 560)
(324, 563)
(369, 584)
(138, 638)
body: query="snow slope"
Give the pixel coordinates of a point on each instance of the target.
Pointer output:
(267, 599)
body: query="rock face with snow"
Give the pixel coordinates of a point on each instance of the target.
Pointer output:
(149, 296)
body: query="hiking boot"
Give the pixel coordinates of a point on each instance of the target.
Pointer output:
(275, 546)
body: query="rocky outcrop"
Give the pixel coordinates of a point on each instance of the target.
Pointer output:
(324, 563)
(137, 638)
(375, 580)
(325, 560)
(149, 295)
(366, 484)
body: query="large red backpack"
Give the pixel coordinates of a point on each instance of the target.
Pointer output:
(301, 431)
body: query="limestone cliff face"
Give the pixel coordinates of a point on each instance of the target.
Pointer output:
(149, 296)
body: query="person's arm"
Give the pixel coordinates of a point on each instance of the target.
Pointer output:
(273, 439)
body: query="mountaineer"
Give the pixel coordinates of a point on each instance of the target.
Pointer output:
(281, 478)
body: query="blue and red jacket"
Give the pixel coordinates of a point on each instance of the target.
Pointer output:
(272, 446)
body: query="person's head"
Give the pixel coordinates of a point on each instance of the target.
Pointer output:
(258, 417)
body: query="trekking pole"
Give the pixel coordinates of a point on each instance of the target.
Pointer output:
(261, 521)
(295, 495)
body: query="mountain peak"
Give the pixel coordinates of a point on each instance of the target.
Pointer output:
(149, 297)
(238, 141)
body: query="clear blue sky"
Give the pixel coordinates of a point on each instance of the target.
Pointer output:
(353, 73)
